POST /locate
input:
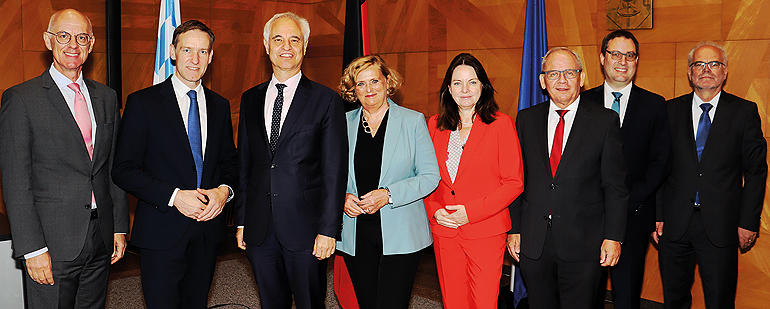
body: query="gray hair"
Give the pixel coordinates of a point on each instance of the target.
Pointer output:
(558, 49)
(707, 43)
(303, 24)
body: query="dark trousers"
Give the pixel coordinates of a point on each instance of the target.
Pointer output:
(380, 281)
(179, 277)
(718, 268)
(628, 274)
(552, 282)
(281, 273)
(80, 283)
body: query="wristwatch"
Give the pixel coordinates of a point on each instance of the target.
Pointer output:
(390, 198)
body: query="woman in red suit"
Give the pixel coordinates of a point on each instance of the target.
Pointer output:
(481, 174)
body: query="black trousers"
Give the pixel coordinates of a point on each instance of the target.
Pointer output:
(552, 282)
(281, 273)
(80, 283)
(628, 274)
(380, 281)
(179, 277)
(718, 268)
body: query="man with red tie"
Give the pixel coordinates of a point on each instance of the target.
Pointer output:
(570, 220)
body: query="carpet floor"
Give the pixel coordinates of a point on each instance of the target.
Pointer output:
(233, 287)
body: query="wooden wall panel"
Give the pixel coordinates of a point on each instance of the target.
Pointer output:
(419, 38)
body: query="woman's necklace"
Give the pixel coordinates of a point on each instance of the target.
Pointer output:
(365, 124)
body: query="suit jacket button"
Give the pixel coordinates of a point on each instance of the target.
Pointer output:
(273, 165)
(92, 177)
(700, 174)
(87, 206)
(453, 192)
(553, 187)
(268, 193)
(275, 194)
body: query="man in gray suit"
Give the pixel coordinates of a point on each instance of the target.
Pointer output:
(57, 135)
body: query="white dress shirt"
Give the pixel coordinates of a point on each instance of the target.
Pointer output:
(609, 98)
(553, 120)
(697, 111)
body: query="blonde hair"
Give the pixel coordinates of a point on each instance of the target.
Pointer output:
(347, 85)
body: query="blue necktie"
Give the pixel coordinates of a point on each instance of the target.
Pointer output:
(616, 103)
(704, 125)
(275, 125)
(194, 134)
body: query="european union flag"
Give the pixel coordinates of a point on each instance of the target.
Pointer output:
(535, 47)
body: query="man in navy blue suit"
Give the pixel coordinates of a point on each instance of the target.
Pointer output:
(292, 157)
(646, 137)
(175, 153)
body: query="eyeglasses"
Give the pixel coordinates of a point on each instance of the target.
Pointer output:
(713, 65)
(568, 74)
(616, 55)
(64, 37)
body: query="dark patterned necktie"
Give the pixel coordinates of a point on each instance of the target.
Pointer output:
(275, 126)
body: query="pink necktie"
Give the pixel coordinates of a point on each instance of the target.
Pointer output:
(84, 123)
(82, 118)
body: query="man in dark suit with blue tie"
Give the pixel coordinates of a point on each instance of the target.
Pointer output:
(292, 155)
(176, 154)
(711, 203)
(646, 137)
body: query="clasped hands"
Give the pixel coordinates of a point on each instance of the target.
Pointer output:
(456, 219)
(368, 203)
(200, 204)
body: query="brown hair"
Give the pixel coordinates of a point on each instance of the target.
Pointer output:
(486, 107)
(190, 25)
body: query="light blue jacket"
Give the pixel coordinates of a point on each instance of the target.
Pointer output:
(409, 170)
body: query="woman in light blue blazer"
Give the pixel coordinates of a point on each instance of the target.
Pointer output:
(392, 167)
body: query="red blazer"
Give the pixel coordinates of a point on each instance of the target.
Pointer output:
(489, 178)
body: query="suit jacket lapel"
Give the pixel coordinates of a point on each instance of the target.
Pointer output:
(541, 134)
(102, 136)
(441, 142)
(391, 139)
(171, 107)
(576, 133)
(56, 99)
(211, 128)
(685, 109)
(474, 138)
(722, 115)
(298, 104)
(353, 119)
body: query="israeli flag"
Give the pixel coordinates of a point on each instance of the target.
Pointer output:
(169, 20)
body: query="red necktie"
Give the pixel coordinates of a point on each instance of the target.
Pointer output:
(558, 138)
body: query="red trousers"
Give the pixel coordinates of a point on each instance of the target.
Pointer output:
(469, 270)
